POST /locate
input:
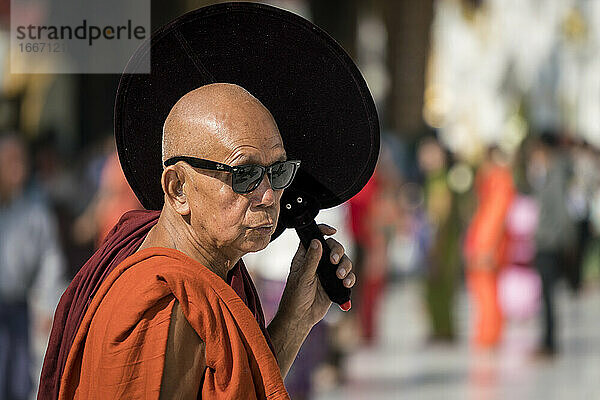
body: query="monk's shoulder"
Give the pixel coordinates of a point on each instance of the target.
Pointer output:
(138, 282)
(130, 299)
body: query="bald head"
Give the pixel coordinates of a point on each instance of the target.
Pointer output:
(212, 118)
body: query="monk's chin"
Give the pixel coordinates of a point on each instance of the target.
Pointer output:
(258, 243)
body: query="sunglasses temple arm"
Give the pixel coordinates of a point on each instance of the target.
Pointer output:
(326, 271)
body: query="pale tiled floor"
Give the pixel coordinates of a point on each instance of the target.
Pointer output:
(399, 366)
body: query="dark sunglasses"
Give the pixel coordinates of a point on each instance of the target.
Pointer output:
(246, 178)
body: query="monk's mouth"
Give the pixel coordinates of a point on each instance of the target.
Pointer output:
(264, 229)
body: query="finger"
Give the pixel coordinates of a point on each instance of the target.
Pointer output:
(298, 257)
(344, 267)
(350, 280)
(327, 230)
(337, 250)
(313, 255)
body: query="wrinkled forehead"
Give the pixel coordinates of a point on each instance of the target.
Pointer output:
(255, 142)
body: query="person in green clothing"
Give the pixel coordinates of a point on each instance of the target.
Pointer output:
(443, 256)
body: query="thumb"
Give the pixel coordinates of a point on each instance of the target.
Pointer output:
(313, 255)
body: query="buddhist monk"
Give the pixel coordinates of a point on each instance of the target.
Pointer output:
(165, 323)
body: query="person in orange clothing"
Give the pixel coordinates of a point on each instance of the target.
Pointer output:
(485, 243)
(165, 323)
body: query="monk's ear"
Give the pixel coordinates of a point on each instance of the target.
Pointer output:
(172, 181)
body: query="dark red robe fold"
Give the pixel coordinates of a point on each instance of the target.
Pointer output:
(122, 241)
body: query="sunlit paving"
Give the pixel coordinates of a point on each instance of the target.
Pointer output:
(400, 365)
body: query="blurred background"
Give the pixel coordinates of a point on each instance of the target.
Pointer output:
(476, 243)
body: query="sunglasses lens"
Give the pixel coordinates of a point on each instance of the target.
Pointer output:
(282, 174)
(247, 178)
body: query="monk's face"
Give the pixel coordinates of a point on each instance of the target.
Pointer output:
(228, 125)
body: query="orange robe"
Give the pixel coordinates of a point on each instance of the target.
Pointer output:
(119, 349)
(487, 233)
(486, 238)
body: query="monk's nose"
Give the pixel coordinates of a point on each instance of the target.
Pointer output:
(265, 195)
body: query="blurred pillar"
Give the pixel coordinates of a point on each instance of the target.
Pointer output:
(338, 18)
(408, 25)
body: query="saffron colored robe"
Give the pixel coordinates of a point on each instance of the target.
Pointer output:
(119, 349)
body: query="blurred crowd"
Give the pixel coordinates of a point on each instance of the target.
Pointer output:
(53, 214)
(505, 230)
(498, 197)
